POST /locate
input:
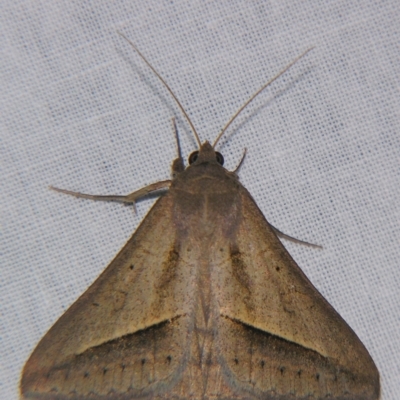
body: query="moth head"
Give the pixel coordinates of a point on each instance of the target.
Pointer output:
(206, 154)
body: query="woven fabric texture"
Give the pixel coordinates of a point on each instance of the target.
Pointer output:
(81, 111)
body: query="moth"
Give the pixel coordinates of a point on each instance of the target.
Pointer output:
(203, 302)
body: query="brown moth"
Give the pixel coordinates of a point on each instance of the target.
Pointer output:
(203, 302)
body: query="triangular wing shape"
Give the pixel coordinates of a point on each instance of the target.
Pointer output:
(202, 303)
(278, 336)
(126, 333)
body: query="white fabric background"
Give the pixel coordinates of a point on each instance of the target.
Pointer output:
(80, 110)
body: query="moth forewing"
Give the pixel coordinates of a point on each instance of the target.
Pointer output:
(203, 302)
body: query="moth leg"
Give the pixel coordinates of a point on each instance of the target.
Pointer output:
(292, 239)
(129, 198)
(240, 162)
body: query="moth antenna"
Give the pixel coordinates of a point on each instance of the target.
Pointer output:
(178, 143)
(166, 86)
(241, 161)
(257, 93)
(178, 165)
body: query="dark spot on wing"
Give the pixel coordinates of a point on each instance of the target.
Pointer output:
(239, 269)
(169, 270)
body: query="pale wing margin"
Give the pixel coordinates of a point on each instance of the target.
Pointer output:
(135, 305)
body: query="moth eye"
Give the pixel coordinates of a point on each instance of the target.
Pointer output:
(193, 157)
(220, 158)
